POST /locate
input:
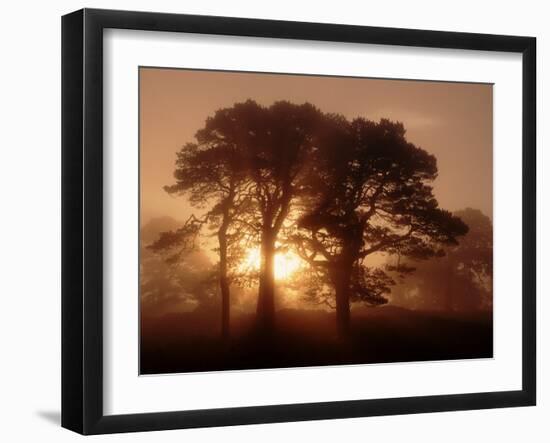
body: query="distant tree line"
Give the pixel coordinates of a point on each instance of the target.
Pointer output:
(459, 281)
(334, 191)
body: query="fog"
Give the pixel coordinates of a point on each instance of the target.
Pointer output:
(296, 220)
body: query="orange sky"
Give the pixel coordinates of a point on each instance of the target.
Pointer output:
(453, 121)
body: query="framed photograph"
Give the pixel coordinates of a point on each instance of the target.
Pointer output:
(269, 221)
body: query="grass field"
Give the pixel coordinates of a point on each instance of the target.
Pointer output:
(189, 342)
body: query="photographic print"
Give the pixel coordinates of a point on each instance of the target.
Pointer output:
(305, 220)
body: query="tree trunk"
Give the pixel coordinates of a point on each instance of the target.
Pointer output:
(224, 282)
(341, 280)
(266, 296)
(449, 288)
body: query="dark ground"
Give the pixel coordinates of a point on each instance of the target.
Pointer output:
(189, 342)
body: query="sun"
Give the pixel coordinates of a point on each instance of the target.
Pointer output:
(286, 263)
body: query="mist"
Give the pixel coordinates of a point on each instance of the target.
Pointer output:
(323, 221)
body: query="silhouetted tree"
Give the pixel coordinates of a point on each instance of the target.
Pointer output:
(245, 168)
(462, 279)
(212, 174)
(281, 138)
(186, 283)
(474, 253)
(368, 192)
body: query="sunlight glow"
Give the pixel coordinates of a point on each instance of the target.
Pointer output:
(286, 263)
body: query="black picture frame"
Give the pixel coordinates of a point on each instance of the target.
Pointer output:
(82, 218)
